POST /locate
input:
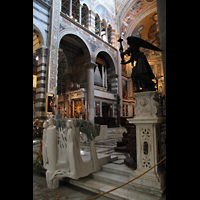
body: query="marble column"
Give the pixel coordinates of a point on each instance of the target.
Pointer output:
(106, 31)
(90, 23)
(99, 28)
(41, 83)
(113, 80)
(161, 12)
(103, 84)
(113, 38)
(90, 91)
(80, 13)
(105, 75)
(90, 105)
(70, 8)
(53, 46)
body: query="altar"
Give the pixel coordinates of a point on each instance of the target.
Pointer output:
(73, 104)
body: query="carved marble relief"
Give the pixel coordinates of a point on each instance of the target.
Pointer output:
(146, 105)
(146, 144)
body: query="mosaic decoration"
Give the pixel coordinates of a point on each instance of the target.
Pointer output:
(103, 14)
(137, 8)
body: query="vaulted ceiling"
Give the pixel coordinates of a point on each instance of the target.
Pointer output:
(130, 13)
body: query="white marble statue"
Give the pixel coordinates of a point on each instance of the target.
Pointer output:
(76, 164)
(51, 124)
(51, 151)
(64, 157)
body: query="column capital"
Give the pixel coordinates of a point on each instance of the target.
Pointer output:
(90, 65)
(42, 51)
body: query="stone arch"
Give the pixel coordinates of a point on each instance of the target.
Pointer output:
(134, 23)
(87, 3)
(39, 28)
(84, 15)
(63, 59)
(78, 37)
(111, 21)
(109, 57)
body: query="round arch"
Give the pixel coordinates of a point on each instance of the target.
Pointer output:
(134, 23)
(108, 57)
(83, 43)
(107, 14)
(38, 27)
(87, 3)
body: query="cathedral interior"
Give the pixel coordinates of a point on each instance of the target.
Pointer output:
(87, 32)
(78, 74)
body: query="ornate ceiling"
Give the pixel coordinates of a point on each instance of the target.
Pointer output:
(130, 13)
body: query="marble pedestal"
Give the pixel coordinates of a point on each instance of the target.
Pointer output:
(148, 144)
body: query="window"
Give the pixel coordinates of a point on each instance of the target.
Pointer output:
(65, 7)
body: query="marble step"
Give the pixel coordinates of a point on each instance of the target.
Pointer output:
(122, 193)
(118, 169)
(112, 178)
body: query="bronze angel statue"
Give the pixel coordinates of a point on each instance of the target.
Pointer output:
(142, 74)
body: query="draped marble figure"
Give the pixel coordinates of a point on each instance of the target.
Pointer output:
(76, 164)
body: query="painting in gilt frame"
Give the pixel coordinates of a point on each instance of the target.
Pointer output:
(49, 104)
(98, 108)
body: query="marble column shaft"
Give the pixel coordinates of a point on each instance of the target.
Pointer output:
(90, 91)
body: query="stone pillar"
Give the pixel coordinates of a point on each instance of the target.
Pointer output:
(91, 21)
(161, 11)
(106, 31)
(106, 85)
(113, 80)
(90, 91)
(99, 28)
(103, 81)
(80, 13)
(40, 102)
(70, 8)
(148, 143)
(113, 38)
(53, 47)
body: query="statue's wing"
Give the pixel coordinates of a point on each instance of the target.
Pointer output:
(142, 43)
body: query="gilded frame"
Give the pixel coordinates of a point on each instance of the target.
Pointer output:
(49, 110)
